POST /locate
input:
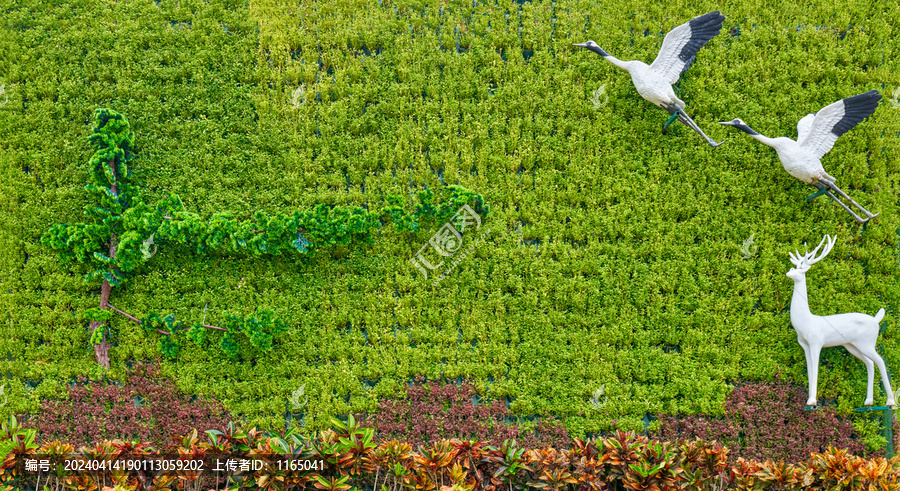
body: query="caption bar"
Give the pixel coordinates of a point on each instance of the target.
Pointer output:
(161, 464)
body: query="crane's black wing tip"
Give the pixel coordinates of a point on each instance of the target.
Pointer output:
(706, 27)
(856, 109)
(705, 21)
(866, 98)
(703, 28)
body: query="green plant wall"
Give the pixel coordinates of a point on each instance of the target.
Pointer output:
(613, 255)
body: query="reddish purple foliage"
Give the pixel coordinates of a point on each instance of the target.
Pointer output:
(101, 411)
(766, 420)
(435, 411)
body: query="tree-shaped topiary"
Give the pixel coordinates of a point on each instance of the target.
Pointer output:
(122, 227)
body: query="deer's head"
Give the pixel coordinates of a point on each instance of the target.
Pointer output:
(804, 262)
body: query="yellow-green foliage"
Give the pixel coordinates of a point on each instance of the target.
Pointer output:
(614, 254)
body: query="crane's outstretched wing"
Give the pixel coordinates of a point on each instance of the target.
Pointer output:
(682, 44)
(836, 119)
(804, 125)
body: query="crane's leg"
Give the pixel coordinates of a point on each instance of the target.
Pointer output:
(825, 186)
(857, 217)
(832, 186)
(684, 118)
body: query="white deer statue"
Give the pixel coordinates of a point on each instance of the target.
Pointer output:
(856, 332)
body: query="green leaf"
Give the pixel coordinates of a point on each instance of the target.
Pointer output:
(98, 314)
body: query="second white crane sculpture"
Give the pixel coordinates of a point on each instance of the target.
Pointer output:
(654, 82)
(816, 134)
(856, 332)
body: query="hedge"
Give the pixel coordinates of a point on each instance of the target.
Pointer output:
(613, 258)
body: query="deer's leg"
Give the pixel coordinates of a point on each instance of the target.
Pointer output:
(871, 353)
(870, 372)
(809, 371)
(812, 372)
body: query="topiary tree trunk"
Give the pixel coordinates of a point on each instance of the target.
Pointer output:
(97, 242)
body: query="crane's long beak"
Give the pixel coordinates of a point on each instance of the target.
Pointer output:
(729, 123)
(580, 45)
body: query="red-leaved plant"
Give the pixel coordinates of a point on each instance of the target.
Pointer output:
(443, 410)
(148, 407)
(766, 420)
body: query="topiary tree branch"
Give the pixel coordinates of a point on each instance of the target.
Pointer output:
(254, 327)
(121, 224)
(115, 242)
(428, 212)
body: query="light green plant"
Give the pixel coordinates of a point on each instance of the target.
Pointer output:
(869, 431)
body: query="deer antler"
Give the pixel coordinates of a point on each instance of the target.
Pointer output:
(810, 258)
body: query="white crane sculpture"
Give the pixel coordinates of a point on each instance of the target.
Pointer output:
(654, 82)
(856, 332)
(816, 134)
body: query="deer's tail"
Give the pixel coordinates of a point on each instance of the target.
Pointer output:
(879, 315)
